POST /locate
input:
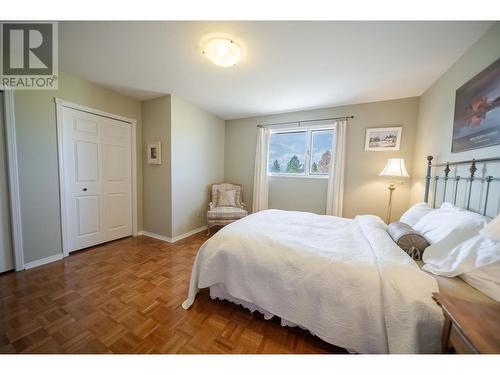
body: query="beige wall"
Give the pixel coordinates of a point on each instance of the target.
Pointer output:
(365, 191)
(200, 149)
(37, 155)
(288, 193)
(157, 199)
(197, 162)
(437, 105)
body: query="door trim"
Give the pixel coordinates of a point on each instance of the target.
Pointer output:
(13, 172)
(60, 104)
(94, 111)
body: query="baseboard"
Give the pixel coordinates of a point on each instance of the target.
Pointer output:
(172, 239)
(190, 233)
(56, 257)
(41, 262)
(156, 236)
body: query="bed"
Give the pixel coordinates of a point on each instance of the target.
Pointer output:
(344, 280)
(456, 287)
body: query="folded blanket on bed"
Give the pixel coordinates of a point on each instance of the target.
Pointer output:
(344, 280)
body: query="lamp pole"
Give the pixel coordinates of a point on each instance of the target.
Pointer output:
(389, 207)
(394, 168)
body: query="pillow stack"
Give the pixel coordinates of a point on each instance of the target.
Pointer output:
(463, 244)
(447, 227)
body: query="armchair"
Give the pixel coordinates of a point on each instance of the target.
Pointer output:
(223, 215)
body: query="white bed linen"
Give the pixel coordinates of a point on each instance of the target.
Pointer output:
(446, 228)
(344, 280)
(492, 229)
(415, 213)
(477, 261)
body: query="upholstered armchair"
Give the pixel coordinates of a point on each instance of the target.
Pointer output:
(226, 207)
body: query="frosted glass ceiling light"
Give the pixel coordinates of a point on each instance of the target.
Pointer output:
(222, 51)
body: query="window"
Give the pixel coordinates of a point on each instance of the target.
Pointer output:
(321, 154)
(300, 152)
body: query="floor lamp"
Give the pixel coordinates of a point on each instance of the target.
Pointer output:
(393, 168)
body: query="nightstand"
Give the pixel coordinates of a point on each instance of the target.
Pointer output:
(470, 327)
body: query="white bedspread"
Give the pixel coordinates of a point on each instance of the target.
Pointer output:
(344, 280)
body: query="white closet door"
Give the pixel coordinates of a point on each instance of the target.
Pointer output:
(6, 255)
(97, 174)
(117, 179)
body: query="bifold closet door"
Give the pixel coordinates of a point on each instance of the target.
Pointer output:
(97, 178)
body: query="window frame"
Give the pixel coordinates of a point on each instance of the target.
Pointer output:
(307, 162)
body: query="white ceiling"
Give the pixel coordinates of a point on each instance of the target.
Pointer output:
(287, 65)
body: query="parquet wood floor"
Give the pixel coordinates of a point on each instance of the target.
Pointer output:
(125, 297)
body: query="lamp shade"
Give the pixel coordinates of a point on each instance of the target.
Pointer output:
(395, 168)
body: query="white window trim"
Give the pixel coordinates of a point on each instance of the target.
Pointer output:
(308, 130)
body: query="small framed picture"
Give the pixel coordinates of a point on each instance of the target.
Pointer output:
(154, 153)
(383, 139)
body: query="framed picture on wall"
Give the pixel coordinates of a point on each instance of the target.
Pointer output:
(477, 111)
(154, 153)
(383, 139)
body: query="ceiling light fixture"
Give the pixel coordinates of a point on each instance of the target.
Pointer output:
(222, 51)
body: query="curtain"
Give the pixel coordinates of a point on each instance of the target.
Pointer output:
(335, 191)
(260, 181)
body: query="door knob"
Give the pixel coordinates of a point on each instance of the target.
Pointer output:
(84, 189)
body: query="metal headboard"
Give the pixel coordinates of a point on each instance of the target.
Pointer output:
(435, 183)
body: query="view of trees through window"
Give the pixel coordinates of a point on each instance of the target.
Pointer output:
(300, 152)
(287, 152)
(321, 153)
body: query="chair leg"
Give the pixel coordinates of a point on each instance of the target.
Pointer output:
(208, 231)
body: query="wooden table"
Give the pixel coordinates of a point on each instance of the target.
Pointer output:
(470, 326)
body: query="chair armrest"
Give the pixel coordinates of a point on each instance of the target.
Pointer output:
(243, 205)
(211, 206)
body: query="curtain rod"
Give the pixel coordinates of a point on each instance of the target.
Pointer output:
(300, 122)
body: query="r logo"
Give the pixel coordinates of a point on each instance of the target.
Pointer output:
(27, 49)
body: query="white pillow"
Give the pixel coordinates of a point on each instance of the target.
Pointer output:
(476, 252)
(477, 261)
(485, 279)
(415, 213)
(492, 229)
(446, 228)
(449, 206)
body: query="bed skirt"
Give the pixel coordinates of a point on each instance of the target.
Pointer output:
(219, 291)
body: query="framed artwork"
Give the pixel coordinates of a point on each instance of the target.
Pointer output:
(154, 153)
(383, 139)
(477, 111)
